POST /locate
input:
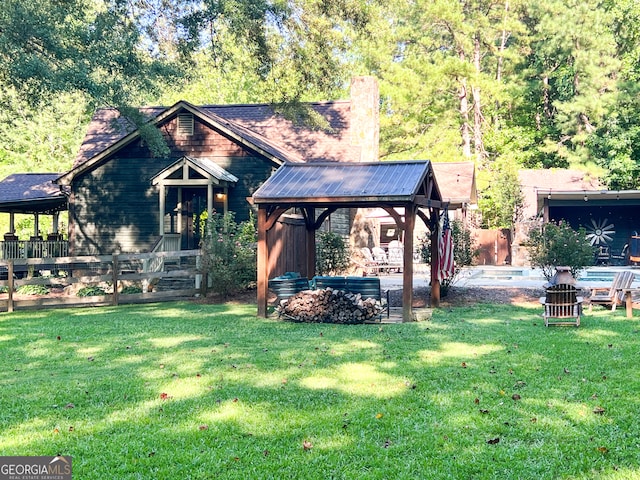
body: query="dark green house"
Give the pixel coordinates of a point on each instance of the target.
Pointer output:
(123, 199)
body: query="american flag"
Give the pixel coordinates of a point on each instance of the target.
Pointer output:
(445, 249)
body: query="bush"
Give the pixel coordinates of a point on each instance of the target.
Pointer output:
(332, 254)
(557, 244)
(229, 254)
(129, 289)
(91, 291)
(32, 290)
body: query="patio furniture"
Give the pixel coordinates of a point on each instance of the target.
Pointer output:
(562, 305)
(366, 262)
(380, 255)
(396, 255)
(613, 295)
(603, 255)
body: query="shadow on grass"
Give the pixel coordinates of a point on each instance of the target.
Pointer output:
(201, 391)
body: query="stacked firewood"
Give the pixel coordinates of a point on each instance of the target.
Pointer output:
(329, 306)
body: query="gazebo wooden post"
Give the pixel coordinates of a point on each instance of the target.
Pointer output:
(407, 275)
(311, 244)
(263, 262)
(435, 257)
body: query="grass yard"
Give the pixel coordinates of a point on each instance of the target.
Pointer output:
(181, 390)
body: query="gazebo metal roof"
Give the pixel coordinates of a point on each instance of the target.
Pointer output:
(355, 184)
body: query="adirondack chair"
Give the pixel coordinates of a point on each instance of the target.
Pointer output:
(562, 305)
(613, 295)
(366, 262)
(380, 255)
(396, 255)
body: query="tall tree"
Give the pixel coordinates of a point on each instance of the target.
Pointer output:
(573, 67)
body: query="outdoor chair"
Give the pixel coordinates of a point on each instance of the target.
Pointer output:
(396, 255)
(380, 255)
(366, 262)
(613, 295)
(562, 305)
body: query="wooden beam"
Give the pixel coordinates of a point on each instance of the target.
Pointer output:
(272, 216)
(317, 223)
(423, 216)
(423, 201)
(263, 262)
(407, 271)
(435, 257)
(190, 182)
(396, 217)
(311, 245)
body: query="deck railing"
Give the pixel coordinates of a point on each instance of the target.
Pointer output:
(33, 249)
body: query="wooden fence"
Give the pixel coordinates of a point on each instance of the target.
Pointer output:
(114, 272)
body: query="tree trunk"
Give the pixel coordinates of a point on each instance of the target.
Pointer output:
(465, 129)
(478, 120)
(503, 42)
(464, 113)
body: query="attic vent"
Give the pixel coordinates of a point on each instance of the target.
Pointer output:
(185, 124)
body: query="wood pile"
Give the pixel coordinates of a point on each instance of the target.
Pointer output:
(329, 306)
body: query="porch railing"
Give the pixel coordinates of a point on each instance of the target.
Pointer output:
(33, 249)
(169, 242)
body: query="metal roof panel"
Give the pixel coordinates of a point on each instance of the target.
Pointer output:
(311, 181)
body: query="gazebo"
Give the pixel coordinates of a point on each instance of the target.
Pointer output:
(319, 189)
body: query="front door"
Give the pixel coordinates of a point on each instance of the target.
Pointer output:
(194, 215)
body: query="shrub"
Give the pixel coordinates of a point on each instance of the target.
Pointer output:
(557, 244)
(229, 254)
(129, 289)
(32, 290)
(332, 254)
(91, 291)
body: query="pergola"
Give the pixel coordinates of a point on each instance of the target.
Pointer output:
(319, 189)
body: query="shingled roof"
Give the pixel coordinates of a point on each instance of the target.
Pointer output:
(552, 180)
(260, 124)
(457, 182)
(31, 193)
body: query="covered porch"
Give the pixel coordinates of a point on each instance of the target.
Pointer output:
(189, 191)
(33, 194)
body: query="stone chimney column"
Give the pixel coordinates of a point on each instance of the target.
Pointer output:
(365, 117)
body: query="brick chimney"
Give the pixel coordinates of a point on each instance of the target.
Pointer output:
(365, 117)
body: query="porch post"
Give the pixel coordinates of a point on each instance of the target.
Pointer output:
(162, 206)
(179, 228)
(36, 225)
(12, 218)
(54, 222)
(209, 200)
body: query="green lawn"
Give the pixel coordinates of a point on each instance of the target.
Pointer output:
(180, 390)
